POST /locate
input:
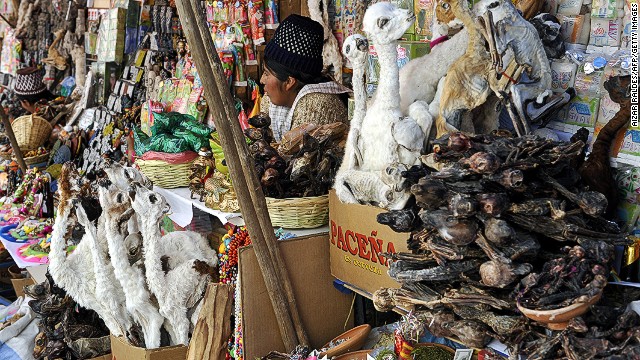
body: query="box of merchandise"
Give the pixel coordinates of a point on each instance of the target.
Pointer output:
(425, 15)
(19, 284)
(582, 111)
(407, 50)
(121, 350)
(357, 242)
(103, 357)
(90, 43)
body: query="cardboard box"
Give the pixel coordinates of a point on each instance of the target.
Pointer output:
(325, 312)
(122, 350)
(19, 284)
(99, 4)
(357, 240)
(103, 357)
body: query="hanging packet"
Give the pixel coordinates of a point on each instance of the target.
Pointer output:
(256, 21)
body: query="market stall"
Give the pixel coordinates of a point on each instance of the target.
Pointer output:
(250, 179)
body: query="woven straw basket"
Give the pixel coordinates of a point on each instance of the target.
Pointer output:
(38, 159)
(31, 131)
(299, 213)
(165, 175)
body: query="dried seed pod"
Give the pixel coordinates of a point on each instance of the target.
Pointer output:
(484, 163)
(260, 121)
(462, 206)
(493, 204)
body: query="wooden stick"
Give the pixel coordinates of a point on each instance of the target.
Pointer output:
(242, 171)
(12, 138)
(213, 329)
(11, 25)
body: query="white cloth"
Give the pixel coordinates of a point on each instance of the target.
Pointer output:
(18, 340)
(282, 116)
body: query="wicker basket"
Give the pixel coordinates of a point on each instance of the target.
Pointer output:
(165, 175)
(34, 160)
(31, 131)
(299, 213)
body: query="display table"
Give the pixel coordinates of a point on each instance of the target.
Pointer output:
(182, 211)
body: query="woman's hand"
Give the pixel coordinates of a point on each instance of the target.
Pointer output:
(28, 106)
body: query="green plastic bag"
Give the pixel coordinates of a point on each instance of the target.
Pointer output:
(168, 143)
(165, 123)
(194, 141)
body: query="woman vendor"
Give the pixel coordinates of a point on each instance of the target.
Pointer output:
(297, 92)
(32, 92)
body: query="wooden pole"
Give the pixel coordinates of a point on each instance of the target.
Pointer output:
(241, 168)
(213, 329)
(12, 138)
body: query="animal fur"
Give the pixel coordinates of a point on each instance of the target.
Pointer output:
(181, 288)
(388, 142)
(512, 32)
(596, 171)
(116, 207)
(467, 84)
(108, 291)
(331, 57)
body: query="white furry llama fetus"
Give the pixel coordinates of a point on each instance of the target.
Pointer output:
(386, 136)
(116, 206)
(108, 290)
(179, 289)
(122, 176)
(74, 273)
(353, 185)
(388, 142)
(331, 57)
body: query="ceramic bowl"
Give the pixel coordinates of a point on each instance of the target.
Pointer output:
(354, 355)
(558, 319)
(356, 338)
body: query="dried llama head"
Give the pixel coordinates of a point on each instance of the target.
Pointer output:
(148, 202)
(385, 23)
(356, 49)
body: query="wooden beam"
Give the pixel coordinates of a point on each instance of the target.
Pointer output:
(241, 168)
(14, 143)
(213, 329)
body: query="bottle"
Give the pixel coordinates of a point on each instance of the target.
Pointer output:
(630, 265)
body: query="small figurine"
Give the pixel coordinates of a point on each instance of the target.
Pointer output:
(201, 169)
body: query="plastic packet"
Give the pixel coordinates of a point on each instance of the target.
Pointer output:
(605, 9)
(271, 14)
(605, 32)
(256, 21)
(569, 7)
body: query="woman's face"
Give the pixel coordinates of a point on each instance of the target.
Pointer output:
(280, 92)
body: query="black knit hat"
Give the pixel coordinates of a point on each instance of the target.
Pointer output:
(29, 82)
(297, 44)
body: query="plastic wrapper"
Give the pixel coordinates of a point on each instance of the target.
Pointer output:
(605, 9)
(178, 158)
(256, 21)
(140, 141)
(192, 141)
(168, 143)
(271, 14)
(166, 122)
(189, 123)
